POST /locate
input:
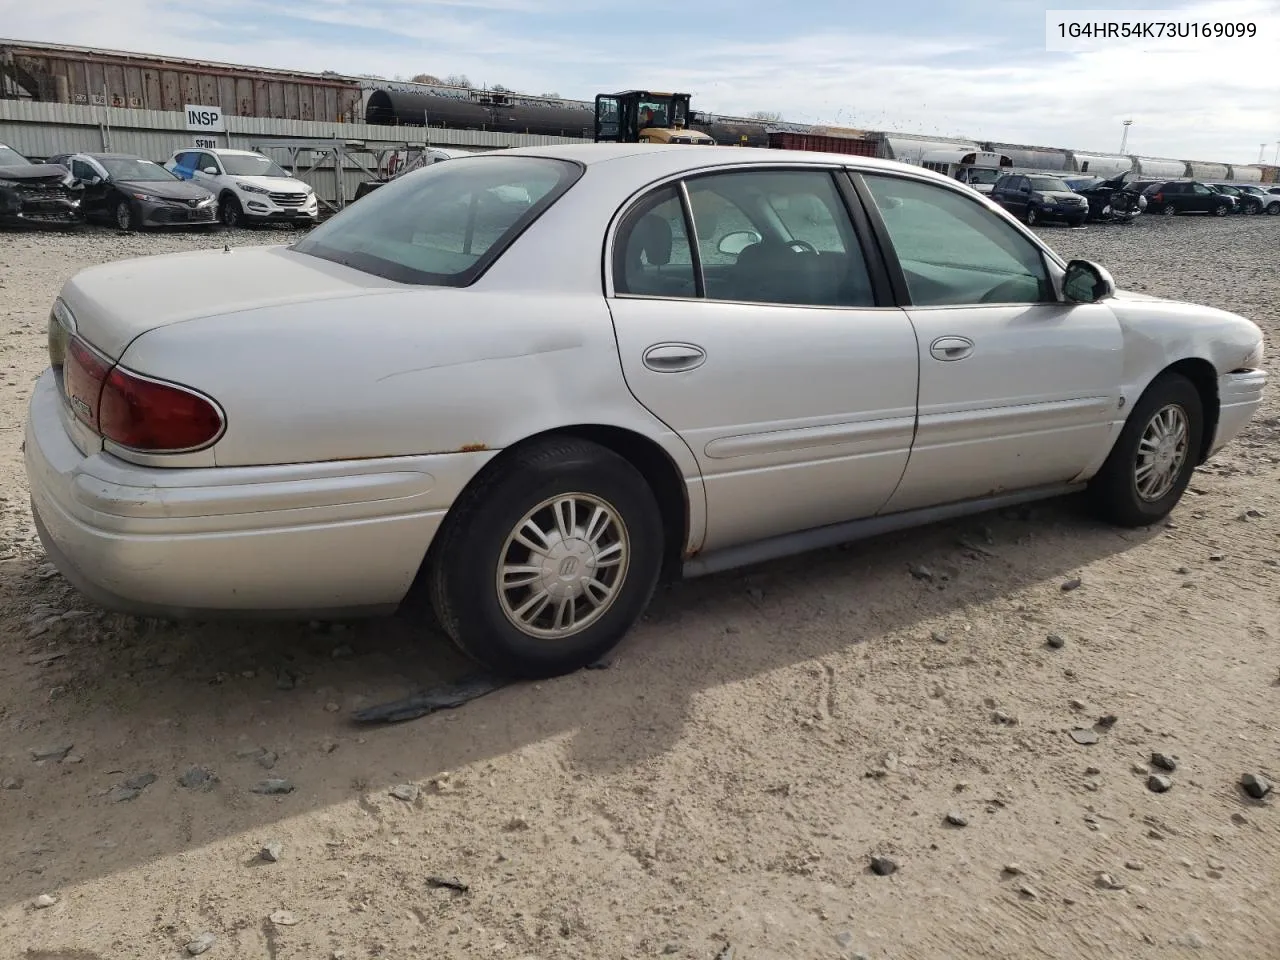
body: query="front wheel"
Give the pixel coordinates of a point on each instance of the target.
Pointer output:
(125, 219)
(1151, 464)
(546, 563)
(229, 212)
(1220, 210)
(1273, 209)
(1033, 216)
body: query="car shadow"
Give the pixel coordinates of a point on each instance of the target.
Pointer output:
(247, 702)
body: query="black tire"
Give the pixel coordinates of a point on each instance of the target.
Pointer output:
(473, 544)
(1032, 216)
(1273, 209)
(1114, 489)
(125, 219)
(1221, 210)
(1169, 210)
(1253, 207)
(230, 213)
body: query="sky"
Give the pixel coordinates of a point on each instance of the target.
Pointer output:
(940, 67)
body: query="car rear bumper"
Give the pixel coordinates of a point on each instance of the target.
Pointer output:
(1239, 397)
(287, 540)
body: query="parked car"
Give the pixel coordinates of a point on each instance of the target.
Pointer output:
(1244, 202)
(1266, 203)
(250, 187)
(1035, 197)
(36, 193)
(639, 363)
(1170, 197)
(134, 193)
(1109, 200)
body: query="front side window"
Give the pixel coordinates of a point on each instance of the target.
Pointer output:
(444, 224)
(82, 171)
(955, 251)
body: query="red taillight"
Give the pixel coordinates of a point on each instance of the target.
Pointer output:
(156, 417)
(1158, 198)
(83, 374)
(135, 411)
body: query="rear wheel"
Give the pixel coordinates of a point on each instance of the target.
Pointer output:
(229, 211)
(1033, 216)
(1151, 464)
(545, 564)
(1273, 209)
(1169, 210)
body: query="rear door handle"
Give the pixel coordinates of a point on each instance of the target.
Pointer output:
(674, 357)
(951, 348)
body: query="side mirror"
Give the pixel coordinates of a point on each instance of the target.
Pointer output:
(211, 171)
(734, 243)
(1086, 282)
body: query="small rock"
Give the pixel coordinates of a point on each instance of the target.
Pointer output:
(1108, 882)
(1255, 786)
(999, 716)
(332, 707)
(671, 948)
(919, 571)
(1079, 705)
(1217, 557)
(957, 819)
(1092, 771)
(1084, 737)
(1215, 864)
(1028, 891)
(268, 760)
(44, 901)
(1163, 761)
(1158, 783)
(939, 637)
(517, 823)
(1013, 869)
(283, 918)
(272, 852)
(285, 680)
(1073, 584)
(198, 778)
(883, 866)
(11, 783)
(1182, 571)
(1134, 865)
(51, 753)
(1055, 642)
(39, 659)
(201, 944)
(1214, 874)
(1239, 819)
(1192, 940)
(408, 792)
(141, 782)
(845, 939)
(273, 787)
(1107, 722)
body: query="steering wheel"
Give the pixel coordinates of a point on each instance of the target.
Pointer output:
(1003, 293)
(802, 246)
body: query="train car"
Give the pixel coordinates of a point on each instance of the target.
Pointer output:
(858, 146)
(1105, 165)
(116, 78)
(1048, 159)
(463, 108)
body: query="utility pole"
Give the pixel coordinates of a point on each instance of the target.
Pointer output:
(1125, 139)
(1261, 148)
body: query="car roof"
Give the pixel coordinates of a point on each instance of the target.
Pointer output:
(111, 156)
(696, 157)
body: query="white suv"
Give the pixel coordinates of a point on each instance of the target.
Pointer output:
(249, 187)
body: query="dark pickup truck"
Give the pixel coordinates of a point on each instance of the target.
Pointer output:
(32, 193)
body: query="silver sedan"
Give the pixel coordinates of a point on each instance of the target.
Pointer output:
(533, 383)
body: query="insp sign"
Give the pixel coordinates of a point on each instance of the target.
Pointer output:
(205, 119)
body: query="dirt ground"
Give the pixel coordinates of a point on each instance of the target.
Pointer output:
(725, 784)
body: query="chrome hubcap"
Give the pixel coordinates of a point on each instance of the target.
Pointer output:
(1161, 453)
(563, 565)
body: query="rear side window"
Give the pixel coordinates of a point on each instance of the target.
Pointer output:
(445, 224)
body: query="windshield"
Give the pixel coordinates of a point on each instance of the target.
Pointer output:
(444, 224)
(983, 175)
(1048, 184)
(250, 165)
(130, 169)
(10, 157)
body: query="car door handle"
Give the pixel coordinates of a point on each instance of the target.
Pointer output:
(674, 357)
(951, 348)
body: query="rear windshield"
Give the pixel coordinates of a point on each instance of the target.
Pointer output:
(442, 225)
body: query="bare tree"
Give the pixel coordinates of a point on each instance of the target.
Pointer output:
(769, 116)
(425, 78)
(499, 88)
(458, 80)
(551, 96)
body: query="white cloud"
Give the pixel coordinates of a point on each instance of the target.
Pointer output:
(1213, 103)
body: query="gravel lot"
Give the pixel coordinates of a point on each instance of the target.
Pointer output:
(728, 780)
